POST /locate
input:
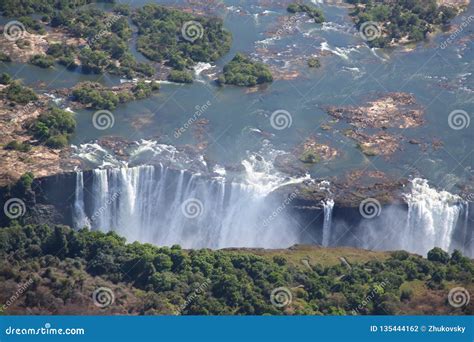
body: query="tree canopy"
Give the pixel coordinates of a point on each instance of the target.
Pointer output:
(230, 282)
(179, 38)
(243, 71)
(409, 19)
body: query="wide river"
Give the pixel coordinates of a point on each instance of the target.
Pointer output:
(239, 119)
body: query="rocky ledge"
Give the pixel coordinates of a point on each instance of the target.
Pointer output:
(392, 110)
(378, 125)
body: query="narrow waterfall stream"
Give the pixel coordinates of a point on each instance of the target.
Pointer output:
(328, 206)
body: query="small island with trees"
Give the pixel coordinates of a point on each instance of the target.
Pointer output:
(313, 12)
(396, 22)
(243, 71)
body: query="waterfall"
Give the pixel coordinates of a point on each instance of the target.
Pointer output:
(468, 241)
(159, 205)
(80, 218)
(164, 206)
(432, 218)
(328, 205)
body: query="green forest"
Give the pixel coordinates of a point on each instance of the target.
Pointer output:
(243, 71)
(159, 26)
(65, 265)
(161, 37)
(96, 96)
(54, 127)
(412, 19)
(313, 12)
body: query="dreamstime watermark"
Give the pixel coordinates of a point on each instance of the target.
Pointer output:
(459, 119)
(14, 208)
(103, 297)
(20, 290)
(284, 29)
(14, 30)
(378, 289)
(280, 208)
(411, 169)
(108, 22)
(46, 330)
(104, 207)
(469, 197)
(192, 208)
(103, 119)
(190, 298)
(306, 263)
(281, 119)
(458, 297)
(281, 296)
(370, 208)
(199, 110)
(192, 31)
(28, 108)
(370, 30)
(465, 22)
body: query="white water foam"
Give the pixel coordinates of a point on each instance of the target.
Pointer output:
(261, 173)
(343, 52)
(328, 206)
(147, 203)
(199, 68)
(356, 72)
(435, 218)
(341, 28)
(432, 217)
(80, 219)
(95, 155)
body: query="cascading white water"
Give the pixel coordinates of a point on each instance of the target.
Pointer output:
(328, 206)
(165, 207)
(146, 203)
(80, 218)
(432, 217)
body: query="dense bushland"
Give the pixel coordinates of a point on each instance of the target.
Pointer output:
(410, 20)
(160, 280)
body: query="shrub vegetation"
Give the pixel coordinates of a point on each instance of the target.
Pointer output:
(161, 36)
(17, 93)
(411, 20)
(243, 71)
(94, 95)
(54, 127)
(42, 61)
(17, 146)
(313, 12)
(236, 282)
